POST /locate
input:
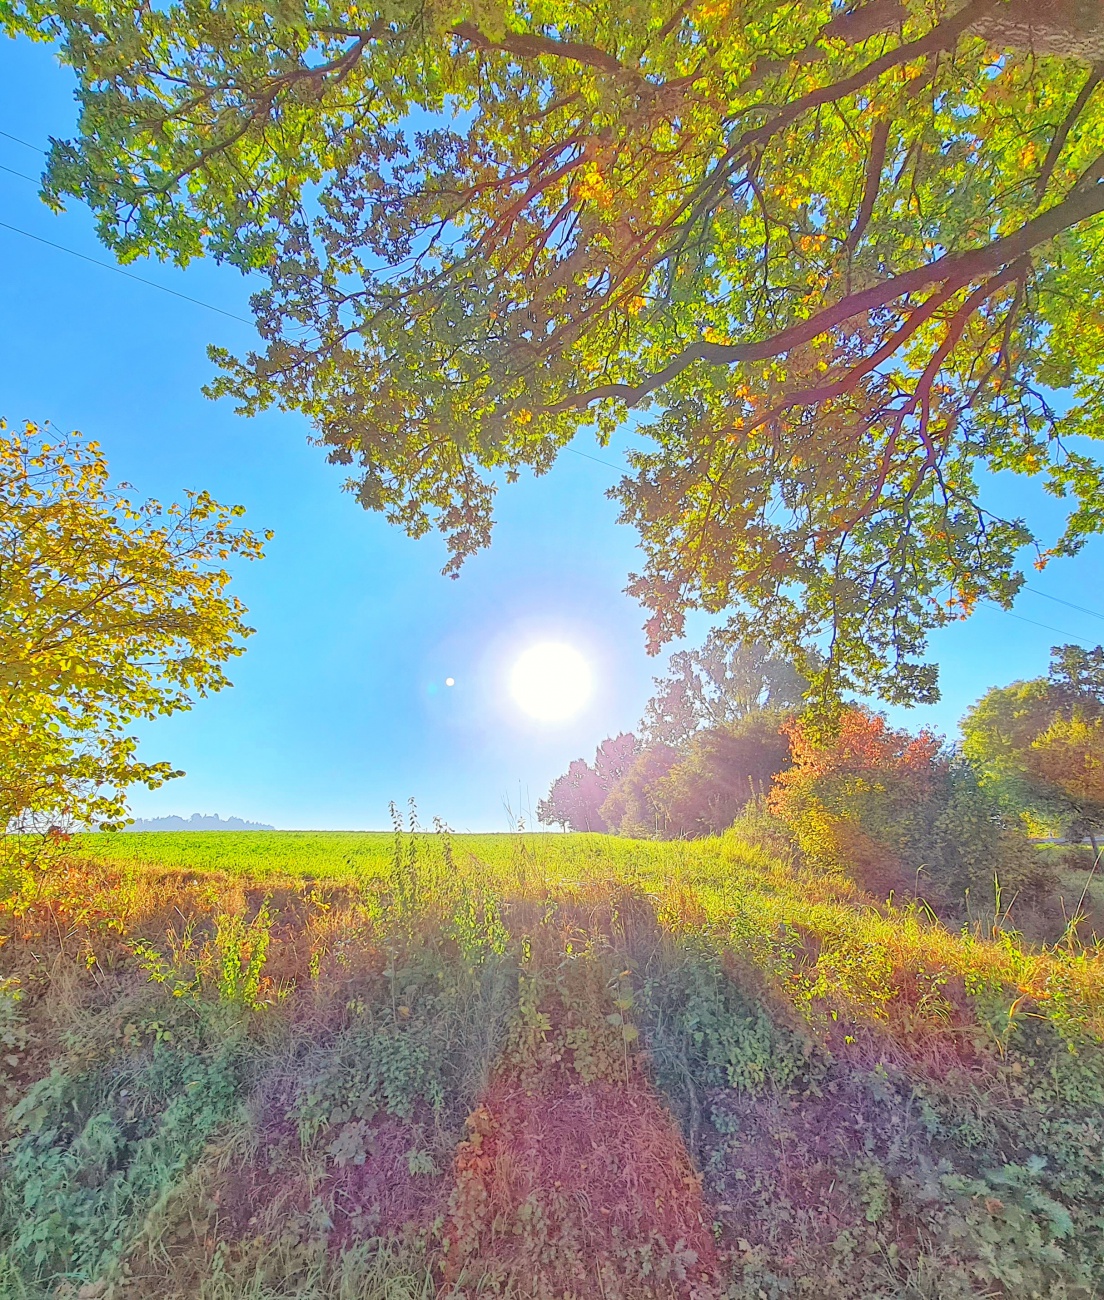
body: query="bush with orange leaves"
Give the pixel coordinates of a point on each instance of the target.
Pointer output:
(901, 813)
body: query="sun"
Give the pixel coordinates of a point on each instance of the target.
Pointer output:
(551, 681)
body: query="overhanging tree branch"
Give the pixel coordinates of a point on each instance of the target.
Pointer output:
(959, 269)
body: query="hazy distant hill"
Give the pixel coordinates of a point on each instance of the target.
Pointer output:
(197, 822)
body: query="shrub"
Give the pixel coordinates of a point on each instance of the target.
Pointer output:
(902, 813)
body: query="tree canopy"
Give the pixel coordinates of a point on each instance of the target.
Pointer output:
(846, 258)
(719, 771)
(1040, 743)
(576, 799)
(110, 611)
(716, 684)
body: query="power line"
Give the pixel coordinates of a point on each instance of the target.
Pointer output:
(25, 143)
(595, 459)
(1069, 603)
(107, 266)
(22, 175)
(1082, 609)
(1034, 623)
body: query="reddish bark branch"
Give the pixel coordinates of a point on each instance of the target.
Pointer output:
(874, 164)
(1060, 136)
(530, 45)
(959, 269)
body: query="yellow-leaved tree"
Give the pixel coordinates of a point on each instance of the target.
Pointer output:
(110, 611)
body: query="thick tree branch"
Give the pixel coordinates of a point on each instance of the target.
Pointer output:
(1060, 136)
(530, 45)
(874, 164)
(858, 25)
(1066, 28)
(942, 37)
(837, 387)
(960, 269)
(851, 28)
(865, 21)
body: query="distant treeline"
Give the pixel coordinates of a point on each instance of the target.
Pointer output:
(196, 822)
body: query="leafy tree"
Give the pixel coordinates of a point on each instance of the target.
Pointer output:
(1068, 758)
(652, 791)
(631, 807)
(900, 813)
(716, 685)
(576, 799)
(1041, 743)
(613, 758)
(1077, 675)
(846, 255)
(720, 770)
(968, 848)
(110, 611)
(850, 790)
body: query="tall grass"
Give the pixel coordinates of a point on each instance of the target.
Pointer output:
(413, 1064)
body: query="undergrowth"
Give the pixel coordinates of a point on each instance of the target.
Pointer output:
(627, 1071)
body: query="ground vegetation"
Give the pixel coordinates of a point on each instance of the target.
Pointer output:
(533, 1066)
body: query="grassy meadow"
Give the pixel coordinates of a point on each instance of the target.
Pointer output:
(364, 856)
(273, 1065)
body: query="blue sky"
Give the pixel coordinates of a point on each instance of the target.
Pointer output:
(339, 704)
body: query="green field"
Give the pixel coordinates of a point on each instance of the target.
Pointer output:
(356, 855)
(368, 857)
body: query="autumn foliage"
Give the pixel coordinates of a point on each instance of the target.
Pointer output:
(850, 794)
(902, 814)
(845, 254)
(111, 610)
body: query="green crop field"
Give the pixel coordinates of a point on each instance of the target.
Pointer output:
(270, 1066)
(361, 855)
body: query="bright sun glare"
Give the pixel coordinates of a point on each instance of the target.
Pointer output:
(551, 681)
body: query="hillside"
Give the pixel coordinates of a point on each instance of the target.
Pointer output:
(543, 1066)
